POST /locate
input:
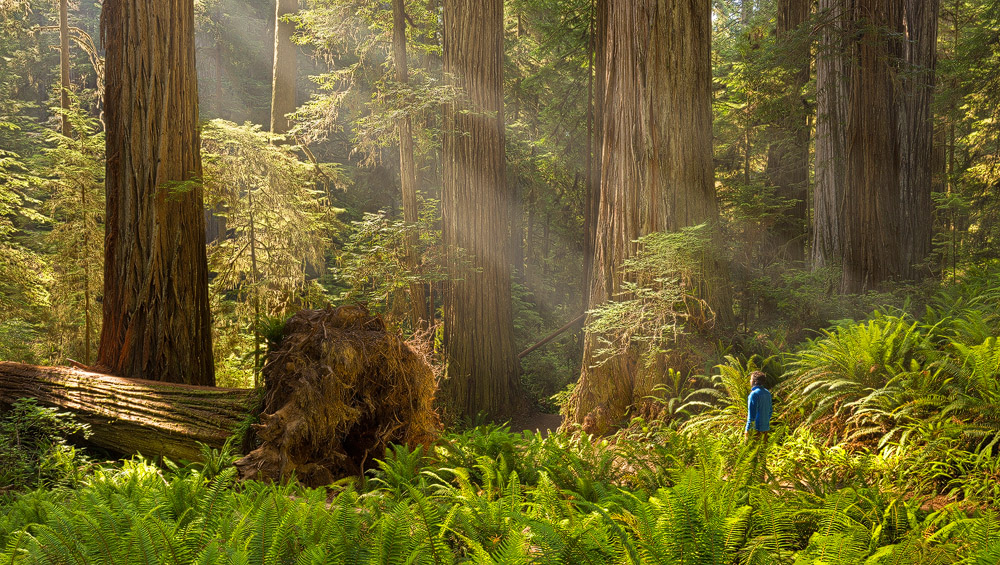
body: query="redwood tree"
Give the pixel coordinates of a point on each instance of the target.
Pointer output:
(407, 167)
(283, 77)
(916, 133)
(656, 170)
(832, 87)
(156, 318)
(483, 369)
(788, 157)
(64, 64)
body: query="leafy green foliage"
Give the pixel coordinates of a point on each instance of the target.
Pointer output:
(34, 450)
(372, 266)
(277, 228)
(489, 496)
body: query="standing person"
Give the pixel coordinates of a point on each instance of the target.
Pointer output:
(758, 405)
(759, 421)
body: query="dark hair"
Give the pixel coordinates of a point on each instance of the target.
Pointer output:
(757, 378)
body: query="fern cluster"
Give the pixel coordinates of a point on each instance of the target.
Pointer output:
(490, 496)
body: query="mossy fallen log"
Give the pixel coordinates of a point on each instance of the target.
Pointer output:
(133, 416)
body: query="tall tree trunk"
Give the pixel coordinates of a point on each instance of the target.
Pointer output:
(64, 64)
(483, 370)
(284, 70)
(872, 249)
(788, 158)
(156, 317)
(407, 167)
(832, 88)
(595, 130)
(916, 134)
(656, 172)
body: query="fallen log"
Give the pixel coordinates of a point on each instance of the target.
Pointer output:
(133, 416)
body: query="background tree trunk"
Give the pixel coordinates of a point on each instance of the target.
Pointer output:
(872, 250)
(483, 371)
(156, 319)
(407, 168)
(133, 416)
(788, 158)
(64, 64)
(595, 130)
(284, 70)
(656, 171)
(916, 134)
(832, 88)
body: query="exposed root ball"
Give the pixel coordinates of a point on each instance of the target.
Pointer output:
(339, 390)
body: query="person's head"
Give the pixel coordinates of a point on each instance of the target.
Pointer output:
(757, 378)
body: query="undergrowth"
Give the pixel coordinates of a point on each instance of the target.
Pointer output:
(884, 450)
(651, 494)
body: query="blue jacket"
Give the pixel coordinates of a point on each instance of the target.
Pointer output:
(759, 409)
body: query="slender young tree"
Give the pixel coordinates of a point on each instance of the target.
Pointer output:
(483, 370)
(407, 167)
(656, 172)
(283, 77)
(156, 317)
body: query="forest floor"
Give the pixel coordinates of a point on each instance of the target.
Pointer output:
(542, 423)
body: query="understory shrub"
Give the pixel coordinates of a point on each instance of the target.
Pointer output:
(33, 447)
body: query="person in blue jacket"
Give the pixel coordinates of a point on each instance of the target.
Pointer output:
(758, 424)
(758, 405)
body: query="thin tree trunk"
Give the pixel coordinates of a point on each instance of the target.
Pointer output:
(656, 172)
(483, 371)
(157, 323)
(788, 158)
(407, 169)
(284, 70)
(87, 337)
(916, 134)
(64, 65)
(219, 103)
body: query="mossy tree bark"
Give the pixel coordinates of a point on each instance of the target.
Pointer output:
(656, 171)
(156, 318)
(284, 70)
(130, 415)
(483, 370)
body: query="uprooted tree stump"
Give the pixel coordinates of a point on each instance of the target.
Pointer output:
(339, 389)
